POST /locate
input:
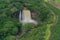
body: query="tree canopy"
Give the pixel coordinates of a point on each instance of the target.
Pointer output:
(9, 26)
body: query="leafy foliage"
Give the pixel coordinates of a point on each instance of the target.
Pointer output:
(56, 28)
(10, 26)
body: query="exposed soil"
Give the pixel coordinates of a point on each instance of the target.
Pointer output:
(57, 5)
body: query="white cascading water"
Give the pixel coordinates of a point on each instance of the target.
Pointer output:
(26, 17)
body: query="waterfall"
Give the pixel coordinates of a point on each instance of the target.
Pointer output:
(25, 17)
(20, 16)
